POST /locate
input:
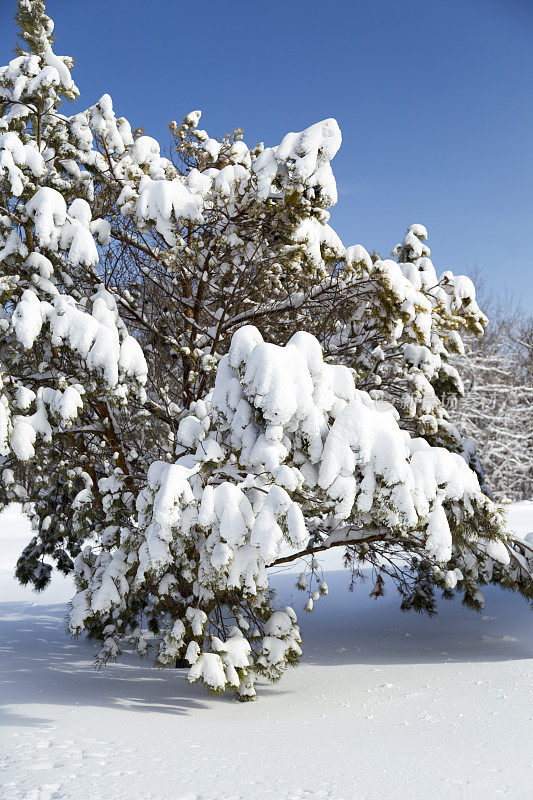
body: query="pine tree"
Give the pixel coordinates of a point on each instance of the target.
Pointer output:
(199, 381)
(68, 364)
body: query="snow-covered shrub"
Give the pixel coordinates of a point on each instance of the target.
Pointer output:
(198, 381)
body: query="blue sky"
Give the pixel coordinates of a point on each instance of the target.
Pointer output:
(434, 99)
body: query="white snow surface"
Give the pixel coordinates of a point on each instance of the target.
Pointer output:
(384, 704)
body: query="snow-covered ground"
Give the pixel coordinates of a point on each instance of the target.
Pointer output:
(384, 705)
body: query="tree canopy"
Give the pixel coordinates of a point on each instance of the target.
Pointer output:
(199, 380)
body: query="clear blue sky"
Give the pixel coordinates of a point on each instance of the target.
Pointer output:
(434, 99)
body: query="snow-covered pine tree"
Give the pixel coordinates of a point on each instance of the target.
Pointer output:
(68, 365)
(215, 384)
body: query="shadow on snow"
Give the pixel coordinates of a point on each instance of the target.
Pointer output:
(40, 665)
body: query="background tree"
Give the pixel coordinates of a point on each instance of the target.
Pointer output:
(496, 409)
